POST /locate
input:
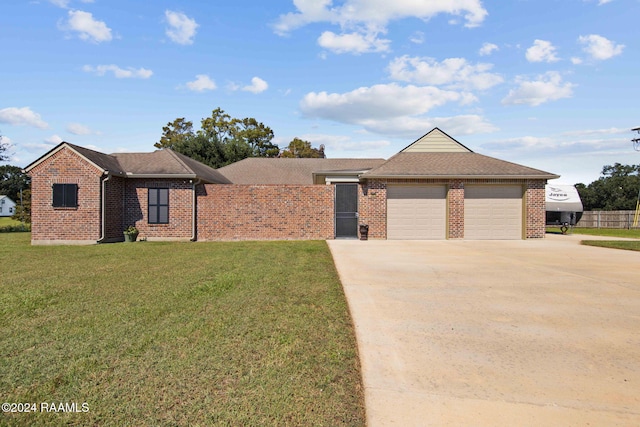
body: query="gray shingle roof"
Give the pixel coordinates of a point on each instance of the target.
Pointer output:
(255, 170)
(158, 164)
(452, 165)
(167, 163)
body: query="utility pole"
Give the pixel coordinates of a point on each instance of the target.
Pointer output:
(636, 141)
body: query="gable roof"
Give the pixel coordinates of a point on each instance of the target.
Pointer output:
(436, 141)
(158, 164)
(453, 165)
(437, 155)
(166, 163)
(259, 170)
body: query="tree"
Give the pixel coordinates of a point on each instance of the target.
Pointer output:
(221, 139)
(175, 132)
(299, 148)
(3, 150)
(257, 136)
(616, 189)
(23, 210)
(12, 180)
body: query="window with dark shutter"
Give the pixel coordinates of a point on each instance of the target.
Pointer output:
(65, 195)
(158, 206)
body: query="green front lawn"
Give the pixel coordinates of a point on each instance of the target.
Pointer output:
(607, 232)
(631, 245)
(242, 333)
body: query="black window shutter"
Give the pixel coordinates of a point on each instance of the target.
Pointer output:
(58, 195)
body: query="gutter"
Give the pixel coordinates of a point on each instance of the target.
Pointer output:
(160, 175)
(550, 176)
(194, 219)
(103, 227)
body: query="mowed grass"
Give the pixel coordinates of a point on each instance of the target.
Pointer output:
(607, 232)
(235, 333)
(630, 245)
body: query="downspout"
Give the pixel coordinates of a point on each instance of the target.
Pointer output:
(194, 216)
(104, 206)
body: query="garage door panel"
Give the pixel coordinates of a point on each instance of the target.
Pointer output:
(493, 212)
(416, 212)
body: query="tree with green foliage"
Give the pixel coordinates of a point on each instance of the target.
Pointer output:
(299, 148)
(616, 189)
(23, 207)
(12, 180)
(221, 139)
(175, 132)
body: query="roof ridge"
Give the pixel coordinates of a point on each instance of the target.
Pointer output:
(181, 161)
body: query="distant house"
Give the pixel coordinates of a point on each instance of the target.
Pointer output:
(7, 206)
(436, 188)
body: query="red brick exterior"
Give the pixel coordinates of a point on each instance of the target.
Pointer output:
(136, 208)
(265, 212)
(114, 203)
(536, 209)
(227, 212)
(67, 224)
(373, 204)
(455, 208)
(372, 207)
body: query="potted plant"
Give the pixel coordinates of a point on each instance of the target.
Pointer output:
(131, 234)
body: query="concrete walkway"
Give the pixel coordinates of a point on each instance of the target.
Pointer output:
(495, 333)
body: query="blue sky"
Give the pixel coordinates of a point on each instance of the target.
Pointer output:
(550, 84)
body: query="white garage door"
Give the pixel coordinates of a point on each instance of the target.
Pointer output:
(492, 212)
(417, 212)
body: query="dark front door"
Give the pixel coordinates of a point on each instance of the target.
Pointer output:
(347, 210)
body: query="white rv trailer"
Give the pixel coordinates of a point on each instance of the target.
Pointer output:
(563, 205)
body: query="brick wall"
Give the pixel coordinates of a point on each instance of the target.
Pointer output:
(372, 207)
(373, 204)
(455, 207)
(536, 208)
(265, 212)
(65, 224)
(136, 210)
(114, 219)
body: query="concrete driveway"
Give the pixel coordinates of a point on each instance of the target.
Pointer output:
(487, 333)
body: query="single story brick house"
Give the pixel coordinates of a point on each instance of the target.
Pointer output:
(436, 188)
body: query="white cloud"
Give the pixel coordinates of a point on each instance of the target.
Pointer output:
(22, 117)
(257, 85)
(60, 3)
(201, 83)
(542, 51)
(53, 140)
(182, 29)
(376, 14)
(417, 37)
(344, 143)
(414, 127)
(487, 49)
(599, 47)
(120, 73)
(353, 42)
(575, 60)
(453, 72)
(78, 129)
(547, 87)
(87, 28)
(378, 102)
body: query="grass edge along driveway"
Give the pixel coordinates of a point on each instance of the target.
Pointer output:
(233, 333)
